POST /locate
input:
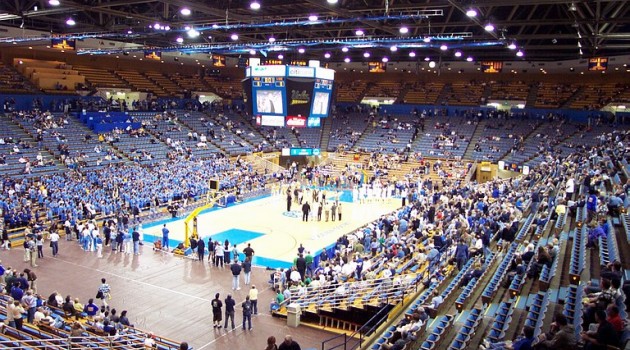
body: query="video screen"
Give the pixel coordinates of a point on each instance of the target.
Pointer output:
(269, 101)
(320, 103)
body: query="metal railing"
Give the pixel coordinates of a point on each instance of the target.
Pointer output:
(126, 341)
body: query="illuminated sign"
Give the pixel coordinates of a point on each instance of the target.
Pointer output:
(491, 66)
(153, 55)
(304, 152)
(297, 122)
(304, 72)
(377, 67)
(313, 122)
(598, 63)
(268, 71)
(63, 44)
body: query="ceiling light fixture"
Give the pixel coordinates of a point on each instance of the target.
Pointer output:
(427, 59)
(280, 56)
(471, 13)
(469, 59)
(443, 47)
(512, 46)
(192, 33)
(458, 54)
(347, 59)
(519, 53)
(70, 21)
(432, 64)
(359, 32)
(301, 50)
(179, 39)
(427, 39)
(412, 54)
(327, 55)
(489, 27)
(385, 59)
(254, 5)
(234, 37)
(403, 30)
(53, 2)
(313, 18)
(333, 1)
(572, 8)
(272, 39)
(344, 49)
(393, 48)
(366, 54)
(252, 52)
(185, 11)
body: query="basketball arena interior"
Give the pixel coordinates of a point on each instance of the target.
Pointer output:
(341, 174)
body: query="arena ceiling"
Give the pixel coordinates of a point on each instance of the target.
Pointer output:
(541, 29)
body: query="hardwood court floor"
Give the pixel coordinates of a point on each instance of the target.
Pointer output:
(273, 233)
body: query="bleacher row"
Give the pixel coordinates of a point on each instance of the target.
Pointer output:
(41, 336)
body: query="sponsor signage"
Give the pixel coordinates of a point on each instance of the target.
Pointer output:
(296, 121)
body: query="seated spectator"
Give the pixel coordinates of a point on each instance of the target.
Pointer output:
(523, 342)
(602, 336)
(561, 336)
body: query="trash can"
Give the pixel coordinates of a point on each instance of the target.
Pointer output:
(293, 315)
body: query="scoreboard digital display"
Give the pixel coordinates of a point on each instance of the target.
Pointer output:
(321, 98)
(269, 94)
(295, 152)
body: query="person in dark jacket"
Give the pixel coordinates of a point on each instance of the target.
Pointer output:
(229, 310)
(236, 272)
(201, 249)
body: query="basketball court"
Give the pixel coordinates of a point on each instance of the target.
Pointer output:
(274, 233)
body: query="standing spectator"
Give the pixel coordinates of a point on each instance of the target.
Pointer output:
(218, 253)
(229, 310)
(253, 297)
(98, 242)
(104, 292)
(461, 254)
(236, 272)
(40, 246)
(300, 265)
(216, 311)
(54, 242)
(30, 302)
(201, 249)
(135, 236)
(247, 270)
(165, 232)
(16, 311)
(249, 252)
(247, 313)
(31, 277)
(289, 344)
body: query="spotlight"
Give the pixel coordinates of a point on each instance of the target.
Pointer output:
(458, 54)
(393, 48)
(179, 39)
(156, 26)
(512, 46)
(366, 54)
(129, 31)
(234, 37)
(192, 33)
(385, 59)
(167, 28)
(312, 18)
(301, 50)
(347, 59)
(471, 13)
(344, 49)
(327, 55)
(519, 53)
(70, 21)
(412, 54)
(403, 30)
(572, 8)
(53, 2)
(443, 47)
(333, 1)
(255, 5)
(432, 64)
(272, 39)
(359, 32)
(185, 11)
(427, 59)
(489, 27)
(280, 56)
(469, 59)
(427, 39)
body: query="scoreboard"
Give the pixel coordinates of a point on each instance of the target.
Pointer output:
(295, 92)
